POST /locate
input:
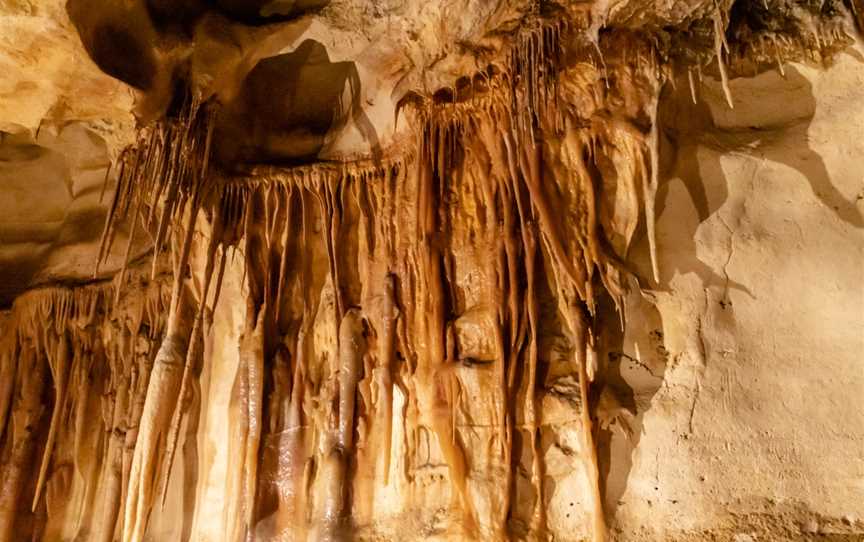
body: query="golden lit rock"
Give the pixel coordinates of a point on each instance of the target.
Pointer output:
(403, 270)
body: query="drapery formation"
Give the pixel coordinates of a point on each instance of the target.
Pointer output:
(381, 298)
(75, 372)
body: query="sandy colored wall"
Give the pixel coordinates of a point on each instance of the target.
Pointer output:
(759, 422)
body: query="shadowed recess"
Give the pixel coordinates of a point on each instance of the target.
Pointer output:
(253, 11)
(287, 105)
(166, 12)
(119, 39)
(51, 211)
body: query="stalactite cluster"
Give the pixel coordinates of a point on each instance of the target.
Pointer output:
(380, 296)
(161, 182)
(379, 293)
(76, 367)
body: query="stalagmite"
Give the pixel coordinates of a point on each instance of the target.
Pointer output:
(337, 461)
(589, 453)
(104, 531)
(161, 394)
(350, 351)
(245, 423)
(255, 374)
(290, 514)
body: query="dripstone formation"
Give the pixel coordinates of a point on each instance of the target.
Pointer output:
(353, 270)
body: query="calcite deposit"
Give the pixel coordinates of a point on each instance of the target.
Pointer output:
(405, 270)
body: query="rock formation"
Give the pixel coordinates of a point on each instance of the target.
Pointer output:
(459, 270)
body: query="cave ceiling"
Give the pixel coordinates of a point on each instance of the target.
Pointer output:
(298, 82)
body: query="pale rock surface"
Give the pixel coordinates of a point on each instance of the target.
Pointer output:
(48, 77)
(757, 427)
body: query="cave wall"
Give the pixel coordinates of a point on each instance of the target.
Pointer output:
(58, 187)
(740, 367)
(757, 428)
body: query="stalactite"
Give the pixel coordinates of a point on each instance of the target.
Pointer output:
(692, 85)
(191, 358)
(155, 419)
(434, 408)
(169, 165)
(58, 363)
(574, 264)
(719, 45)
(529, 243)
(63, 337)
(652, 181)
(8, 368)
(389, 313)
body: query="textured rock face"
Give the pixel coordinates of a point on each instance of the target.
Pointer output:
(448, 271)
(57, 194)
(760, 299)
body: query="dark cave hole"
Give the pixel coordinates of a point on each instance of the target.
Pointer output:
(171, 13)
(779, 16)
(267, 11)
(121, 54)
(120, 39)
(286, 107)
